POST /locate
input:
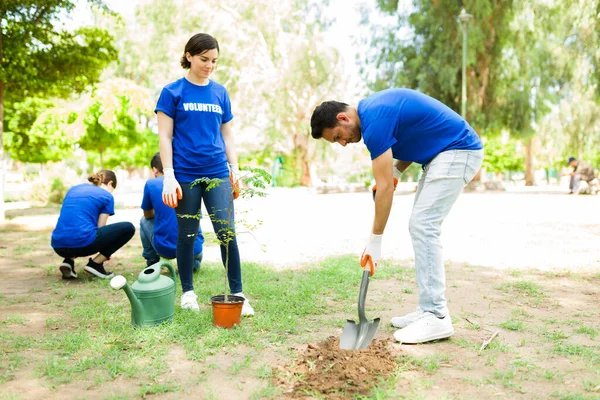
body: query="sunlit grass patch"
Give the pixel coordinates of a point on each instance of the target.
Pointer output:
(513, 325)
(14, 319)
(587, 330)
(525, 288)
(429, 363)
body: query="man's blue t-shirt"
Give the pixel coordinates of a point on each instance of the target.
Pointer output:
(417, 127)
(165, 220)
(78, 220)
(198, 113)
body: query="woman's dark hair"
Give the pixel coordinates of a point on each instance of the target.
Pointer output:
(198, 44)
(325, 117)
(103, 177)
(156, 162)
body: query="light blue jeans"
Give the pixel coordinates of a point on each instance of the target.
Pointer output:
(442, 181)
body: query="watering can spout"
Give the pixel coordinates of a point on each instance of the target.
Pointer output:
(137, 308)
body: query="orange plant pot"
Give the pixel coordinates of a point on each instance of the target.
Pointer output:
(226, 315)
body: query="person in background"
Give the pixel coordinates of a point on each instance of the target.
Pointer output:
(158, 226)
(196, 142)
(81, 229)
(408, 126)
(582, 171)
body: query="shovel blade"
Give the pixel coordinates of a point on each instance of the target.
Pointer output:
(358, 336)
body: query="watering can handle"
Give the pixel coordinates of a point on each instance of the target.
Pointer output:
(167, 263)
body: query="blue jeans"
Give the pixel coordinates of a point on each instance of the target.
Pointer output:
(218, 202)
(442, 181)
(109, 239)
(149, 252)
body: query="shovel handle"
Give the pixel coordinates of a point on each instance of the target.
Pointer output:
(366, 262)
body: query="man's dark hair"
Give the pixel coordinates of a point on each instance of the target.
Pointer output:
(198, 44)
(156, 163)
(324, 117)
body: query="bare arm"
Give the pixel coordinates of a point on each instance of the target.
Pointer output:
(149, 214)
(102, 219)
(230, 149)
(165, 139)
(384, 179)
(402, 165)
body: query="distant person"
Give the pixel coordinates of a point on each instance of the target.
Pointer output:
(197, 142)
(158, 226)
(81, 229)
(582, 171)
(408, 126)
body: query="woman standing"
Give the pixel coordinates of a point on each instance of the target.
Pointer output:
(196, 141)
(81, 229)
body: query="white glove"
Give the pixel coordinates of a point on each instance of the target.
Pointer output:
(372, 254)
(171, 190)
(235, 169)
(397, 173)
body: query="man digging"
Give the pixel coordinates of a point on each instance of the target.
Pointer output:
(408, 126)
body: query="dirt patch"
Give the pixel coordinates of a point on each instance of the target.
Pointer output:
(325, 369)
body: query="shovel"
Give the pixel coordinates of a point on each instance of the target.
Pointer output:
(359, 336)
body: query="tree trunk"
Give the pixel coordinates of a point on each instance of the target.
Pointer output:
(301, 147)
(529, 176)
(2, 215)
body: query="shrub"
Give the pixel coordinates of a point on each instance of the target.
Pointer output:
(58, 190)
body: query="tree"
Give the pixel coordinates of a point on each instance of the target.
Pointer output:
(53, 132)
(512, 73)
(273, 62)
(42, 59)
(116, 120)
(573, 127)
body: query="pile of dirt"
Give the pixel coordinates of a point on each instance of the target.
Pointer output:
(326, 369)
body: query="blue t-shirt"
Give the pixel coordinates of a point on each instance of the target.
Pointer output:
(165, 220)
(417, 127)
(198, 113)
(78, 220)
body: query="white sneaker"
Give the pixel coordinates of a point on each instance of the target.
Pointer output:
(425, 329)
(246, 308)
(188, 301)
(403, 322)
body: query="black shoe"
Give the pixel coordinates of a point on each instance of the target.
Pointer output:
(67, 268)
(98, 270)
(152, 262)
(197, 263)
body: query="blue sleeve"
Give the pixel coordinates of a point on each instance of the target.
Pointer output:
(146, 200)
(166, 103)
(379, 136)
(109, 206)
(227, 115)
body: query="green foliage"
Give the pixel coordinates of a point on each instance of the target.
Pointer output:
(144, 147)
(45, 61)
(115, 133)
(510, 67)
(502, 157)
(41, 60)
(58, 190)
(413, 171)
(290, 172)
(28, 127)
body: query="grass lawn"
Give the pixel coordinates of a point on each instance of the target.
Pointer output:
(73, 339)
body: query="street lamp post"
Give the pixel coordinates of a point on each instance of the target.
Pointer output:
(463, 20)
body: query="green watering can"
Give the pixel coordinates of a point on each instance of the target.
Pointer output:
(152, 296)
